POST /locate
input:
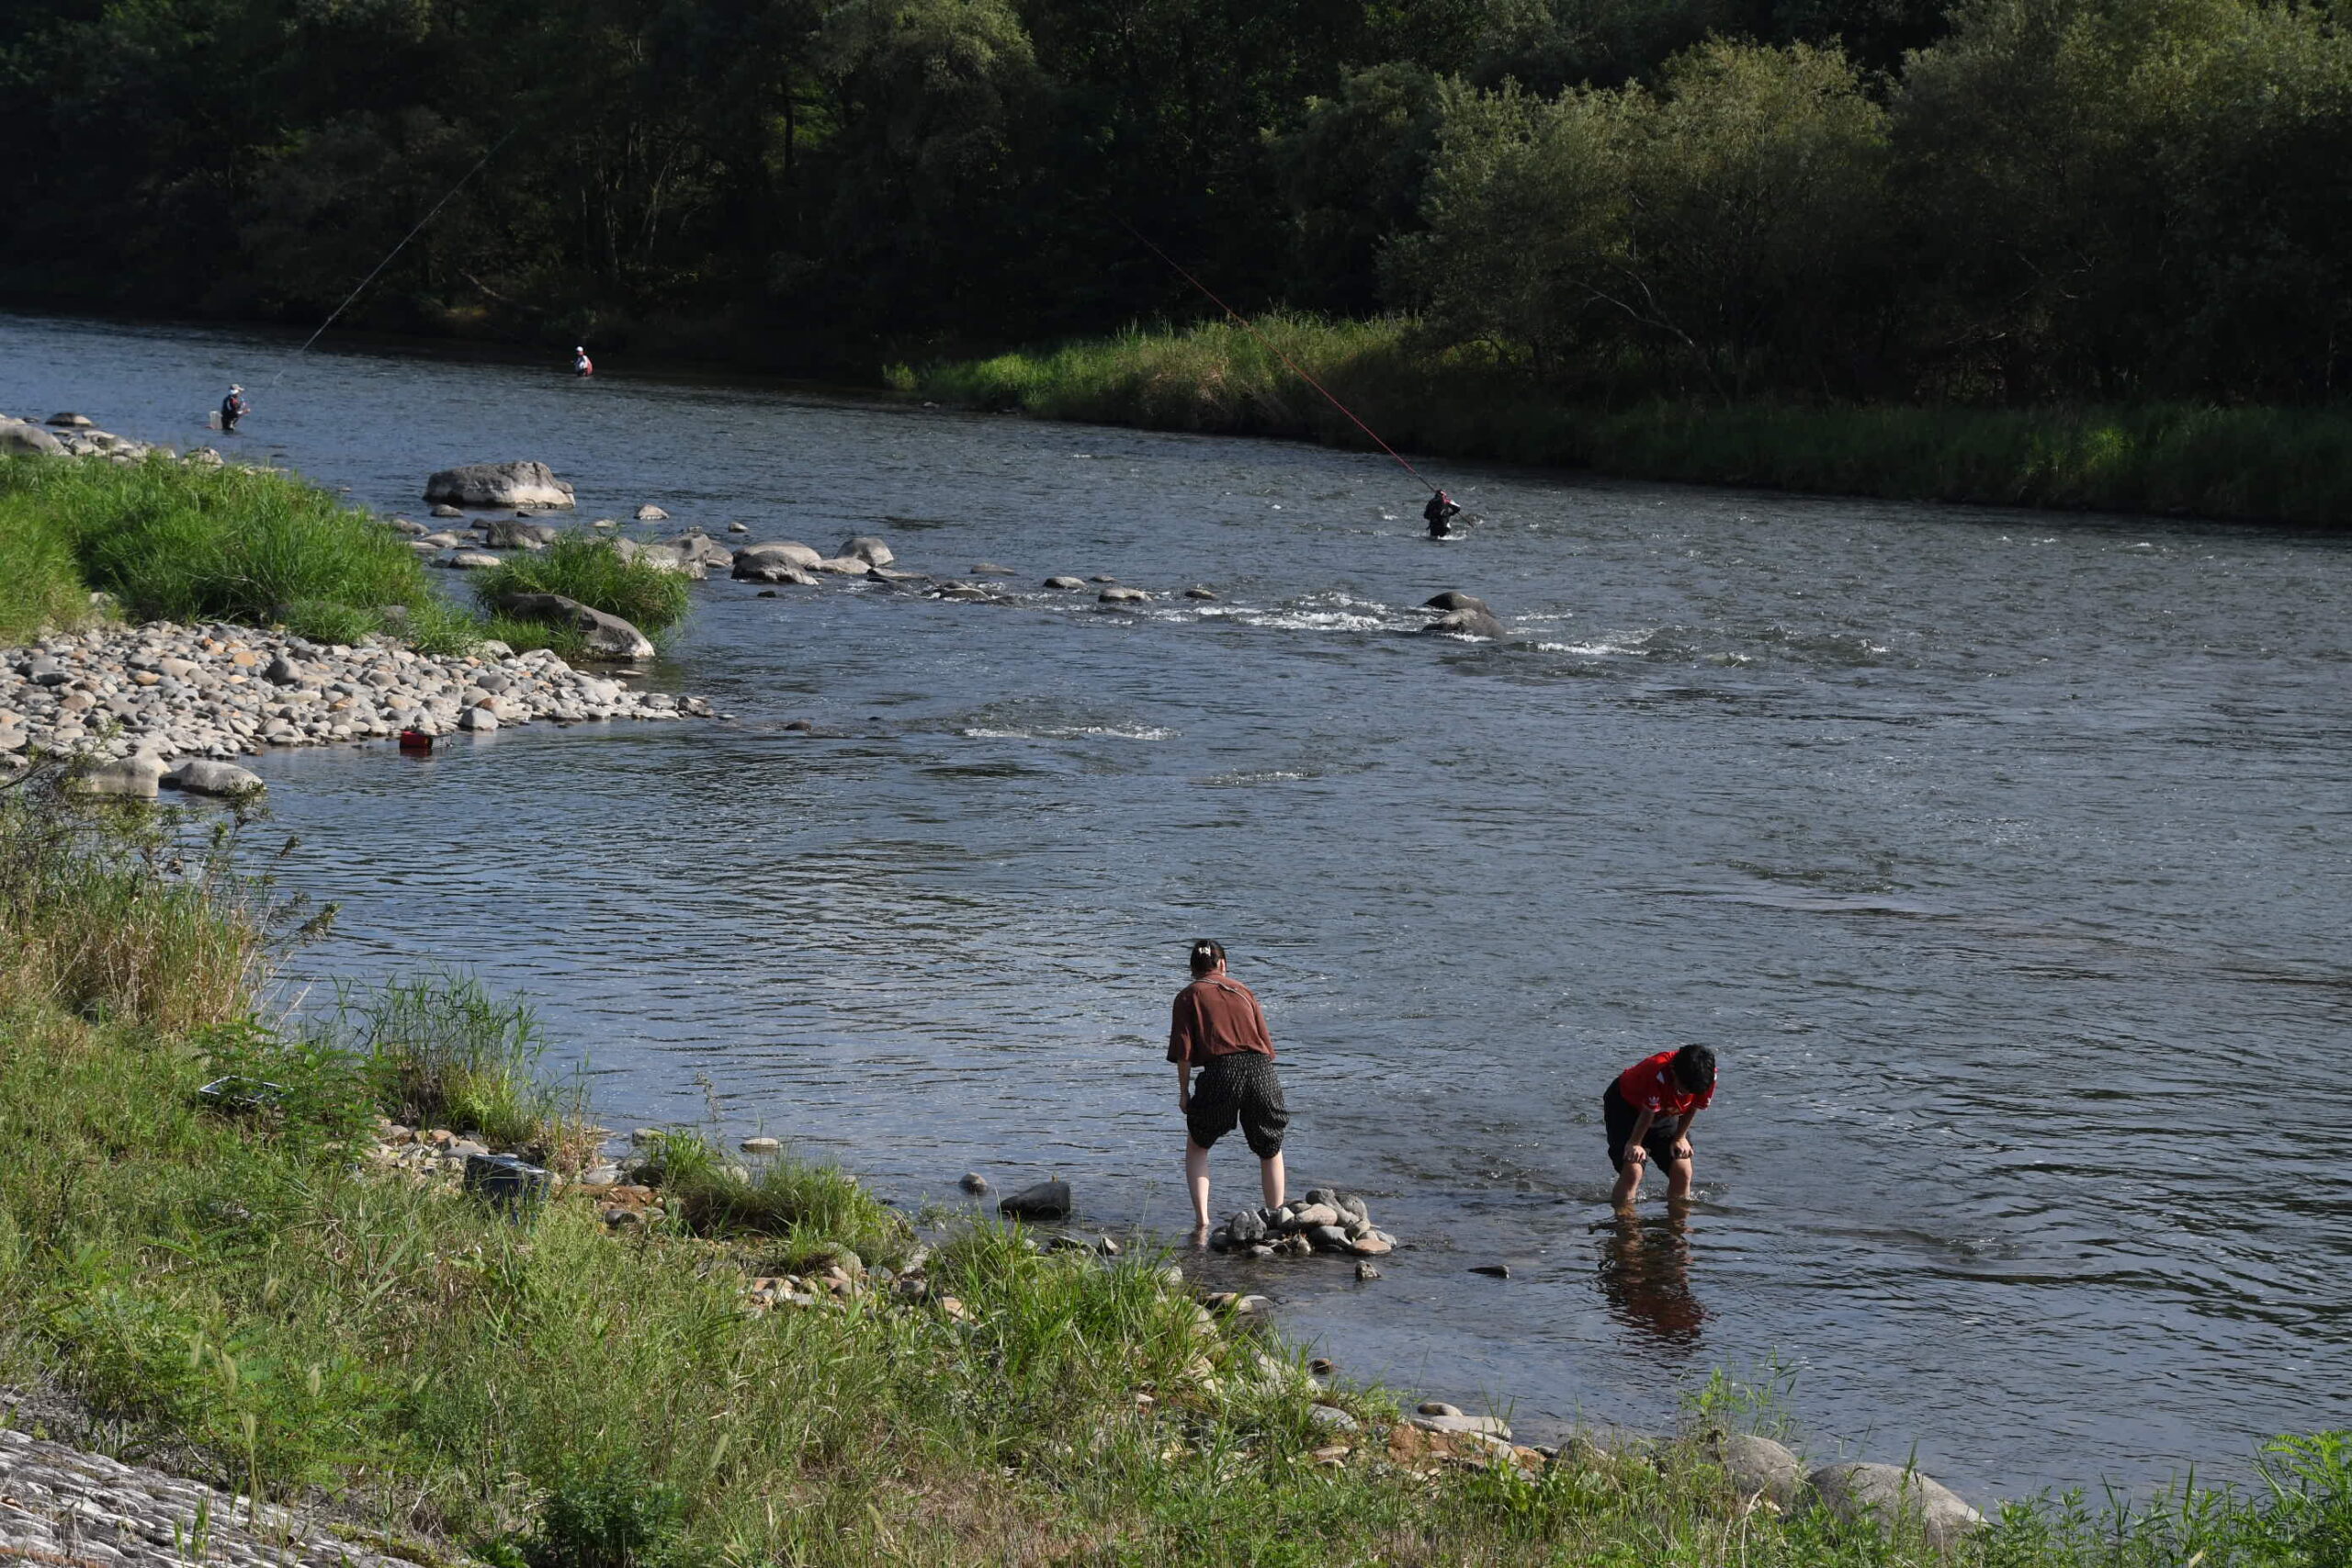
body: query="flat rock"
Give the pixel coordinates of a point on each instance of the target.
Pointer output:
(1066, 584)
(1893, 1495)
(136, 776)
(868, 548)
(200, 776)
(1331, 1418)
(1472, 1425)
(1046, 1201)
(991, 569)
(445, 510)
(474, 560)
(498, 484)
(759, 1145)
(72, 420)
(652, 513)
(1123, 597)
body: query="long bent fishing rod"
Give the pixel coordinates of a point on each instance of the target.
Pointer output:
(462, 180)
(1297, 368)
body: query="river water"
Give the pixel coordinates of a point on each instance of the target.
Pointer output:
(2002, 856)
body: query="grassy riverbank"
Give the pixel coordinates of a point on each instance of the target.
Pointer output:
(181, 542)
(250, 1295)
(2262, 464)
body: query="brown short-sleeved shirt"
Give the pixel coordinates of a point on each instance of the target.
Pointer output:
(1216, 1016)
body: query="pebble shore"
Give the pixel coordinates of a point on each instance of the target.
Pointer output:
(162, 692)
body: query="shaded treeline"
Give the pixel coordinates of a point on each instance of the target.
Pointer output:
(2006, 201)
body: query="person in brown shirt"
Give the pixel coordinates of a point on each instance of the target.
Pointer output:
(1218, 1027)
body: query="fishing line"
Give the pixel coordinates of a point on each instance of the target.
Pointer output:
(1297, 368)
(395, 251)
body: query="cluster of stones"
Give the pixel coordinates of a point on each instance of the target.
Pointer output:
(59, 1505)
(77, 436)
(1326, 1220)
(141, 697)
(1768, 1475)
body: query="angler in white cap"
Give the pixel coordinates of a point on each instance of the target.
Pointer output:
(580, 364)
(234, 407)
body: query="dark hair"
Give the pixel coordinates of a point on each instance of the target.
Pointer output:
(1694, 1069)
(1206, 954)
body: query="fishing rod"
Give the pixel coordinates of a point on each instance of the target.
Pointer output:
(1296, 370)
(462, 180)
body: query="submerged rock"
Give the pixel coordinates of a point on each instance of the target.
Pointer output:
(1046, 1201)
(1479, 623)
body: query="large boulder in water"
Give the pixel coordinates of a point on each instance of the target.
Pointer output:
(868, 548)
(1455, 599)
(200, 776)
(498, 484)
(1896, 1497)
(1467, 623)
(1046, 1201)
(608, 636)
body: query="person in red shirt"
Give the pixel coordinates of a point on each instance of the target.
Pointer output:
(1218, 1027)
(1648, 1109)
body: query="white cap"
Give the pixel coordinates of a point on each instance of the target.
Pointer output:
(235, 388)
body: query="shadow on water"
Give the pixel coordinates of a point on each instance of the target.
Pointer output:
(1643, 1270)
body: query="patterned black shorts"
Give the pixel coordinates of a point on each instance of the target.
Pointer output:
(1240, 1088)
(1619, 1118)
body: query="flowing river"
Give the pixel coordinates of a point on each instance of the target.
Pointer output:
(2002, 856)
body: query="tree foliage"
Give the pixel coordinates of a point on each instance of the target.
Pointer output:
(2010, 200)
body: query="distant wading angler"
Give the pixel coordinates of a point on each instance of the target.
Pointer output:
(1648, 1109)
(1218, 1027)
(580, 364)
(233, 407)
(1440, 512)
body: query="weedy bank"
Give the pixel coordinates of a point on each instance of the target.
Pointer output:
(1479, 401)
(180, 542)
(238, 1283)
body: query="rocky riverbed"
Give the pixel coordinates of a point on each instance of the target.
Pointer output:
(140, 699)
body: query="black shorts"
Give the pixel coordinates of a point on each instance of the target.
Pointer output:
(1238, 1088)
(1618, 1115)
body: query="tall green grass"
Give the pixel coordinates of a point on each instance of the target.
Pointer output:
(2259, 463)
(591, 571)
(238, 1287)
(174, 541)
(41, 585)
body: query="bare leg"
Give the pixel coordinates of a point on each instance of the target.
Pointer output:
(1269, 1178)
(1629, 1185)
(1196, 1177)
(1678, 1176)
